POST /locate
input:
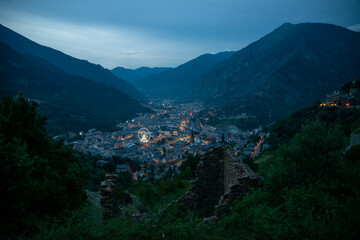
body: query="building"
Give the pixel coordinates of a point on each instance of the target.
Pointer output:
(101, 163)
(340, 100)
(355, 138)
(121, 168)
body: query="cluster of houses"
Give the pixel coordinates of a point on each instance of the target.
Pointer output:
(341, 99)
(175, 131)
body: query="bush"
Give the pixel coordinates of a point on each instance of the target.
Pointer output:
(41, 178)
(188, 167)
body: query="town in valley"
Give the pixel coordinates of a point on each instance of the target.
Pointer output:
(175, 131)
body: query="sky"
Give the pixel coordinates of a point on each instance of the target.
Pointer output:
(162, 33)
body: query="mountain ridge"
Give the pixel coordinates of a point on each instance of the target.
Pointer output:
(177, 82)
(71, 103)
(69, 64)
(287, 69)
(134, 75)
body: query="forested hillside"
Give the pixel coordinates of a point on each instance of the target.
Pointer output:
(71, 103)
(286, 70)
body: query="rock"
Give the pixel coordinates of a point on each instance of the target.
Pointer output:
(107, 196)
(210, 219)
(93, 197)
(221, 178)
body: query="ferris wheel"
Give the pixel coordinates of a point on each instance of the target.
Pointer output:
(144, 135)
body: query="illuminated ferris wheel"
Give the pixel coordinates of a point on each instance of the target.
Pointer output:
(144, 135)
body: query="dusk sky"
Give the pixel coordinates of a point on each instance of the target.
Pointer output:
(135, 33)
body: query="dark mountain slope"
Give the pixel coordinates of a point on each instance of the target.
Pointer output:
(71, 65)
(290, 68)
(178, 82)
(135, 75)
(70, 102)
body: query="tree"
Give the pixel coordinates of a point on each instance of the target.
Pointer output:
(111, 166)
(311, 156)
(41, 178)
(311, 192)
(188, 167)
(19, 120)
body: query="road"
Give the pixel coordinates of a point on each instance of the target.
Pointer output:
(258, 148)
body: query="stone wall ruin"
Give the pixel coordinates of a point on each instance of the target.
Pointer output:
(221, 179)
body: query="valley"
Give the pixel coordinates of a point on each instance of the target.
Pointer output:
(176, 130)
(178, 120)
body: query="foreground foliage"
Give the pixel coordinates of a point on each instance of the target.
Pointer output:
(311, 191)
(40, 178)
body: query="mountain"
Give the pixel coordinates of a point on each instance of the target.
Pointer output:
(135, 75)
(289, 68)
(70, 102)
(178, 82)
(71, 65)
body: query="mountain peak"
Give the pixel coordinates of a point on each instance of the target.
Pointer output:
(178, 82)
(134, 75)
(291, 67)
(286, 25)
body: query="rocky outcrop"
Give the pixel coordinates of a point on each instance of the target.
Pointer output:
(108, 198)
(221, 179)
(209, 185)
(110, 203)
(239, 180)
(237, 191)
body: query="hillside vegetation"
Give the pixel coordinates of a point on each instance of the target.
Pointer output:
(71, 103)
(311, 190)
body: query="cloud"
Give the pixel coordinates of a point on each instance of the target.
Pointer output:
(109, 46)
(161, 33)
(355, 27)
